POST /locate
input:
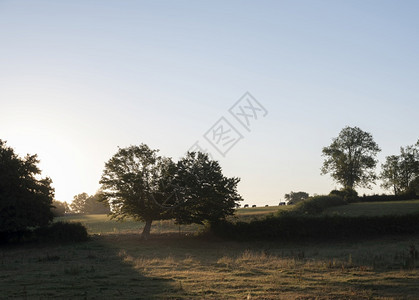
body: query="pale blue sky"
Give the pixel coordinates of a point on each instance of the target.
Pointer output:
(79, 78)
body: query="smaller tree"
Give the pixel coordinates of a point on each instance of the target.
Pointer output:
(85, 204)
(136, 183)
(95, 205)
(295, 197)
(350, 159)
(79, 203)
(391, 174)
(59, 208)
(400, 171)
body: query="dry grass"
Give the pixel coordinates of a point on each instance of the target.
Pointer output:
(173, 267)
(116, 264)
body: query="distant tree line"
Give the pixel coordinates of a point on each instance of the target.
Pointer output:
(400, 173)
(85, 204)
(82, 204)
(351, 161)
(59, 208)
(138, 183)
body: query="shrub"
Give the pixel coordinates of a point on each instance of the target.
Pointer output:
(348, 194)
(317, 204)
(62, 232)
(13, 237)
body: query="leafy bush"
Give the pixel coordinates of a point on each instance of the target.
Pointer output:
(317, 204)
(62, 232)
(348, 194)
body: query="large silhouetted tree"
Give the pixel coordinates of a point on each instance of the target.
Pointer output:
(136, 183)
(204, 193)
(25, 198)
(350, 158)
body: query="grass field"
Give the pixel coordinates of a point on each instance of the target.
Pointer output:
(118, 265)
(102, 224)
(376, 208)
(255, 211)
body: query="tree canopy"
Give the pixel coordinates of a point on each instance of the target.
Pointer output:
(78, 203)
(25, 198)
(59, 208)
(295, 197)
(399, 172)
(138, 183)
(205, 193)
(350, 158)
(135, 182)
(85, 204)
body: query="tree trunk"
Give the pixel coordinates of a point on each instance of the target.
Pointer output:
(146, 230)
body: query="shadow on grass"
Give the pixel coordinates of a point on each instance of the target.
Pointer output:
(197, 267)
(96, 269)
(121, 266)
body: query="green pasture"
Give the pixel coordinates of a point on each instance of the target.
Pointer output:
(376, 208)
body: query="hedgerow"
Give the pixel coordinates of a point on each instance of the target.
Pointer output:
(297, 227)
(317, 204)
(384, 197)
(62, 232)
